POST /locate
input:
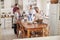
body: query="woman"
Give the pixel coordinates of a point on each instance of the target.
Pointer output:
(38, 14)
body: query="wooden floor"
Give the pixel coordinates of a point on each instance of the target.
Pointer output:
(8, 34)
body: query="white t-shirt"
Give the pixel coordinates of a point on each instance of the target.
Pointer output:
(32, 11)
(16, 17)
(38, 16)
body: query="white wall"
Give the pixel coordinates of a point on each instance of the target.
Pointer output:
(45, 6)
(59, 20)
(7, 9)
(12, 2)
(0, 11)
(39, 4)
(7, 5)
(25, 4)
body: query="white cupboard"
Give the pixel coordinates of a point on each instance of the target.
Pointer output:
(53, 17)
(6, 22)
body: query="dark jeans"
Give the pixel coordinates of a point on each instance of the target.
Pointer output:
(15, 28)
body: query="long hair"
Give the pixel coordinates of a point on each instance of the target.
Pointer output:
(36, 9)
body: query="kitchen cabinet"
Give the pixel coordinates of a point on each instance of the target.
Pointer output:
(53, 17)
(6, 22)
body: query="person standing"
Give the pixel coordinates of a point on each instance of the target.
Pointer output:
(14, 10)
(16, 18)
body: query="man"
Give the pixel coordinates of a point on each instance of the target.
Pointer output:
(31, 13)
(16, 18)
(15, 8)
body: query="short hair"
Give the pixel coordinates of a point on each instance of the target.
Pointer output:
(17, 9)
(16, 4)
(30, 5)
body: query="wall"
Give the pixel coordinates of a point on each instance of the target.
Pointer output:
(7, 5)
(59, 20)
(20, 2)
(44, 5)
(0, 13)
(6, 10)
(39, 4)
(25, 4)
(12, 2)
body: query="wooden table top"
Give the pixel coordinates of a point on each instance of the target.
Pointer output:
(33, 26)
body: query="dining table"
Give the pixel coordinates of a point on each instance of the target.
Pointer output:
(33, 27)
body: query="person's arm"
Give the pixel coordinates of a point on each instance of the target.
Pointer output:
(35, 18)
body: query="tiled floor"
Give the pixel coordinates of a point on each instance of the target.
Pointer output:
(8, 34)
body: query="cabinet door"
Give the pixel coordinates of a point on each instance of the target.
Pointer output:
(54, 1)
(54, 19)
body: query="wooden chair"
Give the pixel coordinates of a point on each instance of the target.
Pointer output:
(21, 28)
(37, 33)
